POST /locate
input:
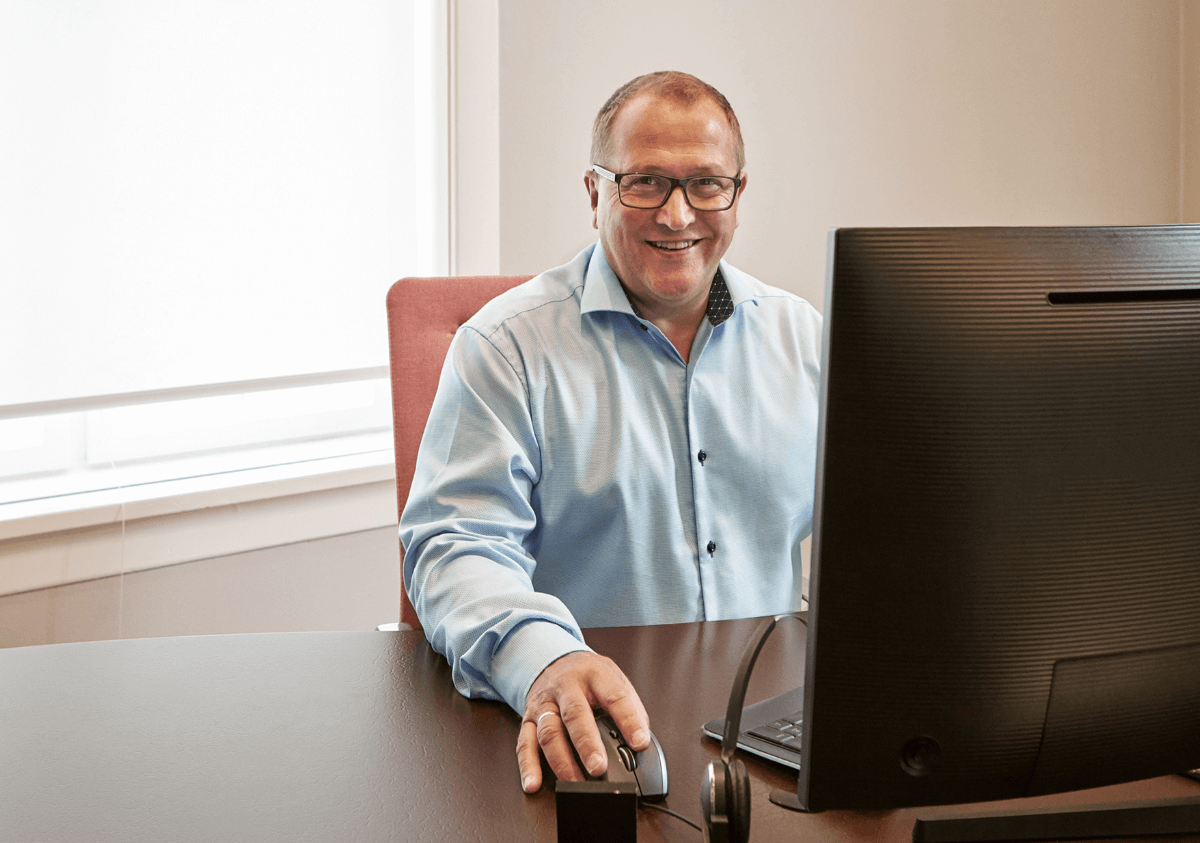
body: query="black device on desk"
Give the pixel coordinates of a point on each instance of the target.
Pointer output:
(1005, 595)
(604, 808)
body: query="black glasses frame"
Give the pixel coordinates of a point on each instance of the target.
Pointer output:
(682, 184)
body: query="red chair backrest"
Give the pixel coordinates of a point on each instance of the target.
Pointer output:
(423, 315)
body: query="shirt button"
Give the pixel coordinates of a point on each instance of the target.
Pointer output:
(702, 457)
(712, 548)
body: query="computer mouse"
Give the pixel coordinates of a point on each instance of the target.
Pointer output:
(648, 768)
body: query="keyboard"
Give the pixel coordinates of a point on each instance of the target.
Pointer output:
(785, 731)
(769, 729)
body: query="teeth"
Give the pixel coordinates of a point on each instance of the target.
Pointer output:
(674, 245)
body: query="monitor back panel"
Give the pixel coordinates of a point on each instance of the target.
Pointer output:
(1007, 530)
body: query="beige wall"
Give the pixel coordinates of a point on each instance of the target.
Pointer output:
(348, 582)
(858, 112)
(1190, 108)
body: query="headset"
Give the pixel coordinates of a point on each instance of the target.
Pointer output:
(725, 788)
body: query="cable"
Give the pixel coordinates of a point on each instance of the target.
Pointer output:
(669, 812)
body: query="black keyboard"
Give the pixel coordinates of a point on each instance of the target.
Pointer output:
(770, 729)
(784, 731)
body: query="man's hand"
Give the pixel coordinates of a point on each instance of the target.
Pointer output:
(558, 714)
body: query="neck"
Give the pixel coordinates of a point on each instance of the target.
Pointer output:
(678, 324)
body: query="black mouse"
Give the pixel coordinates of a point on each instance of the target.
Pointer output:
(648, 768)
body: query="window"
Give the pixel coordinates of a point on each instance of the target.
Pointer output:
(202, 206)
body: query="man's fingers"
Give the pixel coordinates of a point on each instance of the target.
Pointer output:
(630, 717)
(552, 737)
(529, 757)
(616, 695)
(581, 726)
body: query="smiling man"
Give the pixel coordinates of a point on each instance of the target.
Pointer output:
(626, 439)
(665, 240)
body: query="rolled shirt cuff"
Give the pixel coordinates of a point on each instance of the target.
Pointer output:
(527, 651)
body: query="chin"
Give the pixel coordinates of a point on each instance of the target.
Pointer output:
(685, 276)
(677, 288)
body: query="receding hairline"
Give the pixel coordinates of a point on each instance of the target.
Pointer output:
(669, 85)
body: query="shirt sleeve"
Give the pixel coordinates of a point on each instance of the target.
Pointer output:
(467, 525)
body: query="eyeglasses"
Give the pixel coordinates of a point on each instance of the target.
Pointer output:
(649, 190)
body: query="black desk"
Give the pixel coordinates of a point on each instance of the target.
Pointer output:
(354, 737)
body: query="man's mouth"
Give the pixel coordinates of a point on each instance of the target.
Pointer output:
(671, 245)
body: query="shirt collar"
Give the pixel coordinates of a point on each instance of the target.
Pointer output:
(602, 290)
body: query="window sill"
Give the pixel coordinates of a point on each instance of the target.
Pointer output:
(71, 538)
(169, 497)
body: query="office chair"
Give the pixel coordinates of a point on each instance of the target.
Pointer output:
(423, 315)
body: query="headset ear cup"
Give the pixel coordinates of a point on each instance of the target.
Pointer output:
(714, 803)
(738, 789)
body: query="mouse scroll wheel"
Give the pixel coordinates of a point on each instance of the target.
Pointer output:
(627, 757)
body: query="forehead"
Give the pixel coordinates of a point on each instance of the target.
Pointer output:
(656, 133)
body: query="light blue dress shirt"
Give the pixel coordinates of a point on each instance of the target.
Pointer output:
(576, 472)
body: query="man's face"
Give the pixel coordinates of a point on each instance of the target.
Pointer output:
(666, 257)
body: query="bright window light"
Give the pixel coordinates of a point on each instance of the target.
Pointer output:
(21, 434)
(199, 425)
(240, 183)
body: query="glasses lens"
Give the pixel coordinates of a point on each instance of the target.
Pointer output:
(705, 193)
(713, 193)
(643, 190)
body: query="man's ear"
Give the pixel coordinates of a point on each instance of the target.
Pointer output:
(589, 184)
(745, 180)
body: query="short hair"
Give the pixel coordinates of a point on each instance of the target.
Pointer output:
(669, 84)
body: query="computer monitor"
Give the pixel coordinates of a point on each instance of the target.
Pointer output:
(1005, 583)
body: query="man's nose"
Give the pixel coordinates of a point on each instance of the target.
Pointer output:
(676, 214)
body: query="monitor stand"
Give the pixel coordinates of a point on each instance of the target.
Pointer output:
(787, 799)
(1146, 818)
